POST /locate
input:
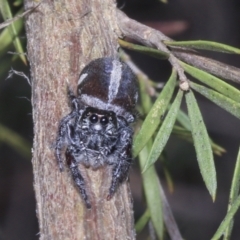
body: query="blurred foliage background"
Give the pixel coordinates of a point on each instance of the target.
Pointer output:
(196, 215)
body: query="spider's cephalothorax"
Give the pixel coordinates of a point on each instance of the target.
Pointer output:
(97, 130)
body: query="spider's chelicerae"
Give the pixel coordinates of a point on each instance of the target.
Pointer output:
(97, 131)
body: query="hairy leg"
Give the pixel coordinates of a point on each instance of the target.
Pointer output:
(78, 178)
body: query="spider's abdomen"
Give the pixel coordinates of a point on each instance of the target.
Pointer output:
(109, 84)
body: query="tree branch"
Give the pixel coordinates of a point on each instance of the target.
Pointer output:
(63, 36)
(150, 37)
(153, 38)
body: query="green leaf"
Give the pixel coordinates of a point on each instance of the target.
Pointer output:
(212, 81)
(233, 194)
(205, 45)
(146, 101)
(17, 3)
(202, 145)
(15, 141)
(7, 14)
(219, 99)
(141, 223)
(164, 132)
(227, 220)
(185, 132)
(6, 38)
(183, 119)
(145, 50)
(153, 119)
(235, 187)
(151, 187)
(187, 136)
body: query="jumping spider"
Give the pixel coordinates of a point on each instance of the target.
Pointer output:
(97, 130)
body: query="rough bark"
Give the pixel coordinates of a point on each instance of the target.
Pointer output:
(63, 36)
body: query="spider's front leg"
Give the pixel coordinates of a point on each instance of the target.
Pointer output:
(77, 177)
(64, 129)
(123, 159)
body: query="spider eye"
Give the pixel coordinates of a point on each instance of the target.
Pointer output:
(93, 118)
(104, 120)
(111, 116)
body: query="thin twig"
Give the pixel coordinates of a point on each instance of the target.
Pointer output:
(154, 38)
(150, 37)
(214, 67)
(10, 21)
(169, 220)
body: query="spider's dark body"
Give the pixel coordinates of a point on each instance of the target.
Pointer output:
(97, 130)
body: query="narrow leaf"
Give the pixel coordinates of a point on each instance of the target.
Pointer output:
(14, 140)
(202, 145)
(17, 3)
(212, 81)
(226, 221)
(164, 132)
(142, 49)
(141, 223)
(6, 38)
(146, 101)
(235, 187)
(233, 194)
(153, 119)
(205, 45)
(187, 136)
(153, 195)
(183, 119)
(219, 99)
(7, 14)
(11, 20)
